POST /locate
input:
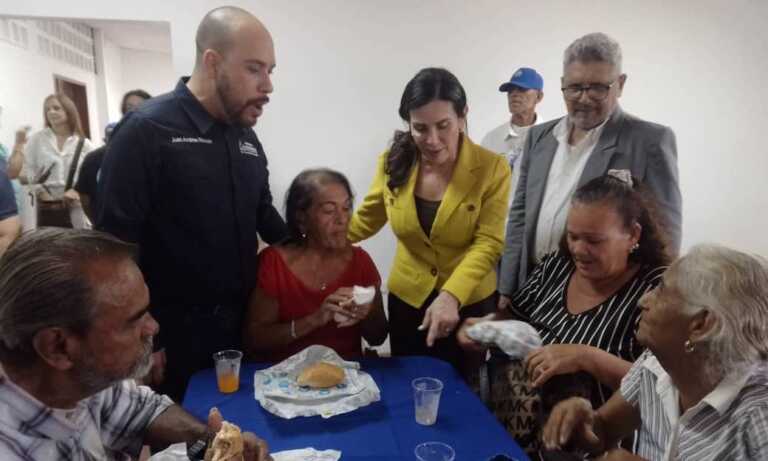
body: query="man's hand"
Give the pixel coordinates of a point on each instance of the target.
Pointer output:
(441, 317)
(254, 448)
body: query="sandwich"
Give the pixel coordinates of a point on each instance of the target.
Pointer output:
(227, 445)
(321, 375)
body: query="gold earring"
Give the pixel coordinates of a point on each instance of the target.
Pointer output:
(689, 346)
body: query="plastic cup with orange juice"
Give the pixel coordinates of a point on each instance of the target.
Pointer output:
(228, 370)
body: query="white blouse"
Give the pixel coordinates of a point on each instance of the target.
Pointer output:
(42, 153)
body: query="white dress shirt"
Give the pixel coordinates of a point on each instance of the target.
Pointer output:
(564, 174)
(729, 423)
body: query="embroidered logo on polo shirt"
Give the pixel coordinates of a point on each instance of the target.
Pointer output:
(190, 140)
(248, 149)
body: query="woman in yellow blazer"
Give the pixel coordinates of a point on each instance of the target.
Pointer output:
(446, 201)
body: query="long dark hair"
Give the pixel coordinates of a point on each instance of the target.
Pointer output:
(429, 84)
(300, 195)
(633, 204)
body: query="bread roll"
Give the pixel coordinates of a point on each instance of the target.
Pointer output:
(227, 445)
(321, 375)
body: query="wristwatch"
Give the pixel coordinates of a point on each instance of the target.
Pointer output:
(196, 450)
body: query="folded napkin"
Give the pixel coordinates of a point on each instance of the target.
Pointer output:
(517, 339)
(306, 454)
(175, 452)
(178, 452)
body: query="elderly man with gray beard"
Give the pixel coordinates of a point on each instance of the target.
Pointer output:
(594, 137)
(75, 328)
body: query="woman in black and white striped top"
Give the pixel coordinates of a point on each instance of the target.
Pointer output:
(583, 301)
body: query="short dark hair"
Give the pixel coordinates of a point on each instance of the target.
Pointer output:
(140, 93)
(633, 204)
(301, 194)
(429, 84)
(44, 283)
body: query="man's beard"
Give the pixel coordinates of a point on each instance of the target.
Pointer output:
(232, 109)
(94, 380)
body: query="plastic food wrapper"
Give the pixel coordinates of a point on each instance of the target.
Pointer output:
(178, 452)
(306, 454)
(276, 390)
(517, 339)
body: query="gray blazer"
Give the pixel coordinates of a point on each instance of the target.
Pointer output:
(647, 149)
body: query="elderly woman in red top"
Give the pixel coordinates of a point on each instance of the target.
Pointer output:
(304, 291)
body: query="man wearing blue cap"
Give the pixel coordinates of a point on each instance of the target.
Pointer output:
(524, 92)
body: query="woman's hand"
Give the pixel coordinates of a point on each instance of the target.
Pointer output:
(619, 454)
(354, 313)
(21, 136)
(441, 317)
(569, 418)
(467, 343)
(332, 304)
(504, 302)
(553, 360)
(71, 197)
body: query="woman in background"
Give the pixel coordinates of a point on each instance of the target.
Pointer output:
(51, 161)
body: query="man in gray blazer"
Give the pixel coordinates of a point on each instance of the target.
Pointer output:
(561, 155)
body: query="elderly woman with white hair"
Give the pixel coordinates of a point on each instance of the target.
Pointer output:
(701, 390)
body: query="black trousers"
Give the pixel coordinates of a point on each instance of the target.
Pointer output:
(406, 339)
(190, 336)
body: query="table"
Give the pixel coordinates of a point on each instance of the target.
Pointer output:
(384, 430)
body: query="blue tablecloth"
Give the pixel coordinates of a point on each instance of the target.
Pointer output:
(384, 430)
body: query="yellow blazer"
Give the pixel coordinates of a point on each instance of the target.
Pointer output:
(467, 236)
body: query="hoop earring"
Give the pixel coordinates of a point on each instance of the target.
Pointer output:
(689, 346)
(634, 248)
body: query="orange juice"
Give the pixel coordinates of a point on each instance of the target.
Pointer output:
(228, 383)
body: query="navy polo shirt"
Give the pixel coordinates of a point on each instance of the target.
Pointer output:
(193, 193)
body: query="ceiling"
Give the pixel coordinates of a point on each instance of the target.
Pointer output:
(137, 35)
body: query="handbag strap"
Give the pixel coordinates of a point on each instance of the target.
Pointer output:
(73, 165)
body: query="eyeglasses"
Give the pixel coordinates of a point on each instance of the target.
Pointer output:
(596, 91)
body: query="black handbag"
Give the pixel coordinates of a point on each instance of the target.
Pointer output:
(55, 213)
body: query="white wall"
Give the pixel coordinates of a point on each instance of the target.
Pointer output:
(27, 78)
(150, 71)
(696, 65)
(113, 76)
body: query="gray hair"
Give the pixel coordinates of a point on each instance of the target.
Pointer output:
(732, 286)
(44, 283)
(594, 47)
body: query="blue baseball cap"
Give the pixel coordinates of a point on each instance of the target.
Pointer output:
(524, 77)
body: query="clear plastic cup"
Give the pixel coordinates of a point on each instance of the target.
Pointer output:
(228, 370)
(434, 451)
(426, 399)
